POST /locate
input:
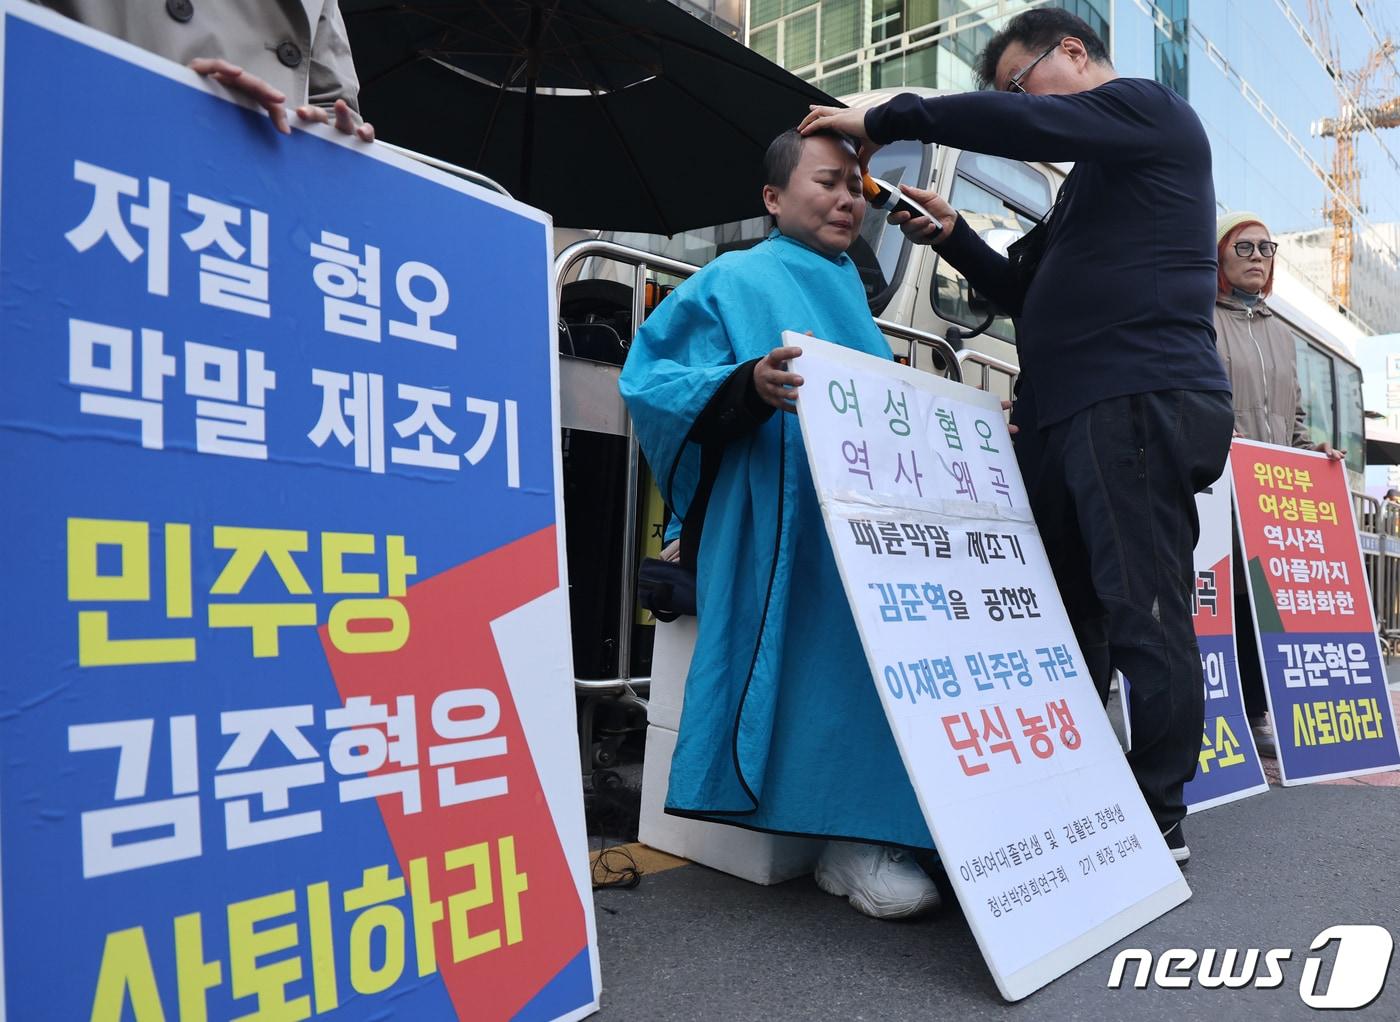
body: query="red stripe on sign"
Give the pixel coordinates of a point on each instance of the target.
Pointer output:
(1222, 621)
(499, 915)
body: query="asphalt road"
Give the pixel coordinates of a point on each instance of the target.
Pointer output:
(1270, 871)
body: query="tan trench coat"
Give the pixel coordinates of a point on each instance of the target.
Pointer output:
(298, 46)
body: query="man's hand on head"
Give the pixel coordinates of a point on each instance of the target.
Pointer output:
(921, 230)
(848, 121)
(345, 120)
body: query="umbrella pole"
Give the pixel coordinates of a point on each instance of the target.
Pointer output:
(532, 57)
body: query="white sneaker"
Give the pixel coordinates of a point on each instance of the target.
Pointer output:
(1264, 740)
(880, 881)
(1176, 841)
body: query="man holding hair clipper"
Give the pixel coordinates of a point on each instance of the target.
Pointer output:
(1123, 404)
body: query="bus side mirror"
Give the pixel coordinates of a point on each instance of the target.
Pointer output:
(978, 304)
(981, 309)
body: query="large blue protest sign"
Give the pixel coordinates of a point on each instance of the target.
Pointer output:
(286, 717)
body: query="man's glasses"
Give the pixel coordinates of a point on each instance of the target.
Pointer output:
(1245, 249)
(1014, 84)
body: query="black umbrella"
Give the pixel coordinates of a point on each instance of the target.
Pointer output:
(615, 114)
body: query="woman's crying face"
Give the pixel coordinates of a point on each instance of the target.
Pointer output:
(822, 204)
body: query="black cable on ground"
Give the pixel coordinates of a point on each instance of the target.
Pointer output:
(614, 867)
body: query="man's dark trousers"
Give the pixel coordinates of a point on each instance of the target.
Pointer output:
(1113, 489)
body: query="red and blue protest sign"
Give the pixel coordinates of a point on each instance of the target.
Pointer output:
(1228, 767)
(1322, 663)
(286, 722)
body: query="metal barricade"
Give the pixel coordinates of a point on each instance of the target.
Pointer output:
(1368, 513)
(986, 365)
(1388, 607)
(945, 358)
(1378, 531)
(589, 400)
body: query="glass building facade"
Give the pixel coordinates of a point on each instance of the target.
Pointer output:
(847, 46)
(725, 15)
(1173, 51)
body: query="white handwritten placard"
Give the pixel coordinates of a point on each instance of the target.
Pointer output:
(1035, 813)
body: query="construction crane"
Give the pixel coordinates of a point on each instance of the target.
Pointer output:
(1361, 109)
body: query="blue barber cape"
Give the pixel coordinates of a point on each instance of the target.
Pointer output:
(782, 728)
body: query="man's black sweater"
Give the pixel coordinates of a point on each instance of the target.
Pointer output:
(1123, 300)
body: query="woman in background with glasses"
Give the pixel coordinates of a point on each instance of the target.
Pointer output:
(1262, 363)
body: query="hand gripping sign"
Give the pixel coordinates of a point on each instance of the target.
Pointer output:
(286, 709)
(1045, 836)
(1322, 664)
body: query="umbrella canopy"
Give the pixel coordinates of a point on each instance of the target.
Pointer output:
(614, 114)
